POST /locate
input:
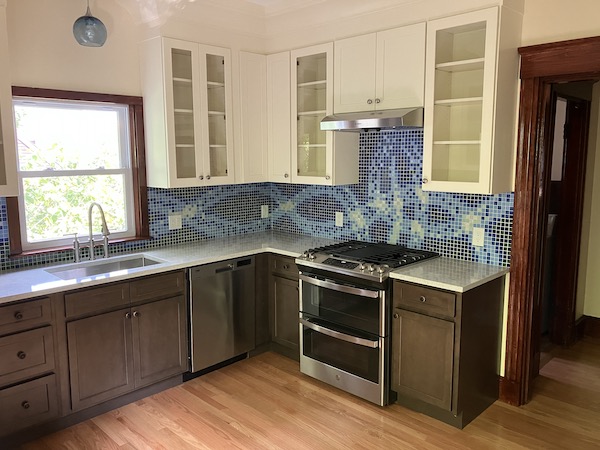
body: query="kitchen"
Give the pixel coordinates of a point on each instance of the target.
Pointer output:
(296, 208)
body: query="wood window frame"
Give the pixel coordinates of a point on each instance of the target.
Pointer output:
(138, 163)
(541, 66)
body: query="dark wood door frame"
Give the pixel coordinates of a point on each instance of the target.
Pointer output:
(541, 65)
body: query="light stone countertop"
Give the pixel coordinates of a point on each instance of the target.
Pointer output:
(30, 283)
(449, 274)
(443, 273)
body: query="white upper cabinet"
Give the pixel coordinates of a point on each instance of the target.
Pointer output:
(318, 157)
(8, 150)
(252, 147)
(384, 70)
(187, 104)
(279, 115)
(470, 102)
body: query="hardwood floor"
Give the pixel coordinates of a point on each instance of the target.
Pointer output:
(265, 403)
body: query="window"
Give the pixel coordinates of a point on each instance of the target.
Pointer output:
(74, 149)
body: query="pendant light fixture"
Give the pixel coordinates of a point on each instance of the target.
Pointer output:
(89, 31)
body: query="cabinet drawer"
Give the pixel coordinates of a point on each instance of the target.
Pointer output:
(284, 265)
(21, 316)
(26, 354)
(28, 404)
(157, 286)
(94, 300)
(424, 300)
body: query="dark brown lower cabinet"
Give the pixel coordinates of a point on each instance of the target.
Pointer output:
(115, 352)
(446, 349)
(284, 306)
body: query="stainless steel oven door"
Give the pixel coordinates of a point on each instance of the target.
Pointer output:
(342, 341)
(352, 306)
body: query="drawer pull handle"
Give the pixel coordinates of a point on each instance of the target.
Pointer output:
(21, 355)
(18, 315)
(25, 404)
(396, 315)
(422, 298)
(286, 266)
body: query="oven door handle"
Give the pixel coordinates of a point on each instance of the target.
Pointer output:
(340, 287)
(338, 335)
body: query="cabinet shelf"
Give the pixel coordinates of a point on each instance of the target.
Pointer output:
(457, 142)
(312, 113)
(215, 84)
(216, 113)
(320, 84)
(184, 111)
(464, 65)
(312, 145)
(182, 80)
(185, 145)
(459, 101)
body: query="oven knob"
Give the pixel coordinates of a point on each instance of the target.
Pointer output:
(372, 268)
(383, 269)
(362, 266)
(311, 256)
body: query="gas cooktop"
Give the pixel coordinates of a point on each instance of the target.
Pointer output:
(362, 259)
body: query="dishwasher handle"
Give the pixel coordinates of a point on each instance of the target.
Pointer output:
(227, 268)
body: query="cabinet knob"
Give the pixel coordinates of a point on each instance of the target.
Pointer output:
(286, 175)
(422, 299)
(286, 266)
(327, 177)
(377, 100)
(128, 315)
(201, 177)
(396, 315)
(369, 101)
(136, 314)
(18, 315)
(21, 355)
(425, 181)
(208, 177)
(25, 404)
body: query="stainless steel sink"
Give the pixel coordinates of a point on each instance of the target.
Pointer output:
(100, 267)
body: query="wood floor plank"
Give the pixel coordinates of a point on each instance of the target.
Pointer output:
(266, 403)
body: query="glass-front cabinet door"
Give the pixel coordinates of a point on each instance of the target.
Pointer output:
(217, 107)
(312, 100)
(182, 89)
(460, 95)
(8, 160)
(187, 112)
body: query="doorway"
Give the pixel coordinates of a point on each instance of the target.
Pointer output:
(542, 66)
(565, 188)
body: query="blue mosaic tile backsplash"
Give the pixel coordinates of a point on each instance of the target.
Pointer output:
(387, 204)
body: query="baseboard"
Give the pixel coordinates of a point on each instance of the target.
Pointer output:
(591, 326)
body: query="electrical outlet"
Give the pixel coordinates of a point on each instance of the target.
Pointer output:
(175, 222)
(339, 219)
(264, 211)
(478, 236)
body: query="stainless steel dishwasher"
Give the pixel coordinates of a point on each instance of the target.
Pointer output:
(221, 311)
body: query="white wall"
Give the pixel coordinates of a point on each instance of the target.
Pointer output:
(588, 286)
(559, 20)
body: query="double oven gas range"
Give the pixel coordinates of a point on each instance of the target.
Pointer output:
(345, 314)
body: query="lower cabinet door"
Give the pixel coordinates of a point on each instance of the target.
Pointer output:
(28, 404)
(100, 358)
(159, 340)
(423, 357)
(285, 299)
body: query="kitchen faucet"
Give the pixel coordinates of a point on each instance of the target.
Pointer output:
(105, 231)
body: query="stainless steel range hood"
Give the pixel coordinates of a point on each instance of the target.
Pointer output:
(386, 119)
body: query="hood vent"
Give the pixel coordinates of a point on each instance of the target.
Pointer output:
(367, 120)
